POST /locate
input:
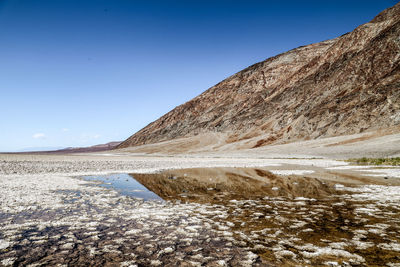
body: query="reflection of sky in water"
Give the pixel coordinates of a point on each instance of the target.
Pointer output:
(125, 184)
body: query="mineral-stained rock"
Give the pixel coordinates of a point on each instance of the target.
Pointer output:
(341, 86)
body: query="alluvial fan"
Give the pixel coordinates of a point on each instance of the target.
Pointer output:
(341, 86)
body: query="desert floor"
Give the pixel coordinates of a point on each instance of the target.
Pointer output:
(216, 211)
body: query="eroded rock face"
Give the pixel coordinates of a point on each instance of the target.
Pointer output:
(342, 86)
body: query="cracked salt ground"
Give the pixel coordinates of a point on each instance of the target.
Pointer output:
(315, 232)
(235, 219)
(98, 226)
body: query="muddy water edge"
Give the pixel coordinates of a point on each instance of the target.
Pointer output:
(294, 219)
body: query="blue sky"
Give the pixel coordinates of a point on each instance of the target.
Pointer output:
(84, 72)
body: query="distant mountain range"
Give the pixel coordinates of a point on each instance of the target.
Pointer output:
(37, 149)
(346, 85)
(95, 148)
(58, 150)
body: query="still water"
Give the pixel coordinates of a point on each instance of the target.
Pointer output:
(125, 184)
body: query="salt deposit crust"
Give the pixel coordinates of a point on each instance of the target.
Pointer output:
(64, 221)
(81, 165)
(49, 217)
(291, 172)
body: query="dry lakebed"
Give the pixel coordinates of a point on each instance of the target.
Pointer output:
(127, 210)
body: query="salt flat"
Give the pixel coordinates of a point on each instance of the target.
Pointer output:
(50, 216)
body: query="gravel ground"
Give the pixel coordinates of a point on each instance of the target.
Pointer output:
(368, 144)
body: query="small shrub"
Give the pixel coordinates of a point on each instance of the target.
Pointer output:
(376, 161)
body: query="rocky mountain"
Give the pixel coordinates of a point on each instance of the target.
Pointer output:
(95, 148)
(346, 85)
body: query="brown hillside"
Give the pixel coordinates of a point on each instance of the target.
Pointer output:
(342, 86)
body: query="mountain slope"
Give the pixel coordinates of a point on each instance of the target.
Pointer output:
(68, 150)
(342, 86)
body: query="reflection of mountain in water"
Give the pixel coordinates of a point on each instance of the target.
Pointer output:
(292, 220)
(214, 184)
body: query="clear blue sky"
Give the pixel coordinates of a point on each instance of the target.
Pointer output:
(83, 72)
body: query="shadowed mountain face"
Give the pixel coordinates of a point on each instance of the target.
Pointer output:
(342, 86)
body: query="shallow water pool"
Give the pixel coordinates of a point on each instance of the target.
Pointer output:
(125, 184)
